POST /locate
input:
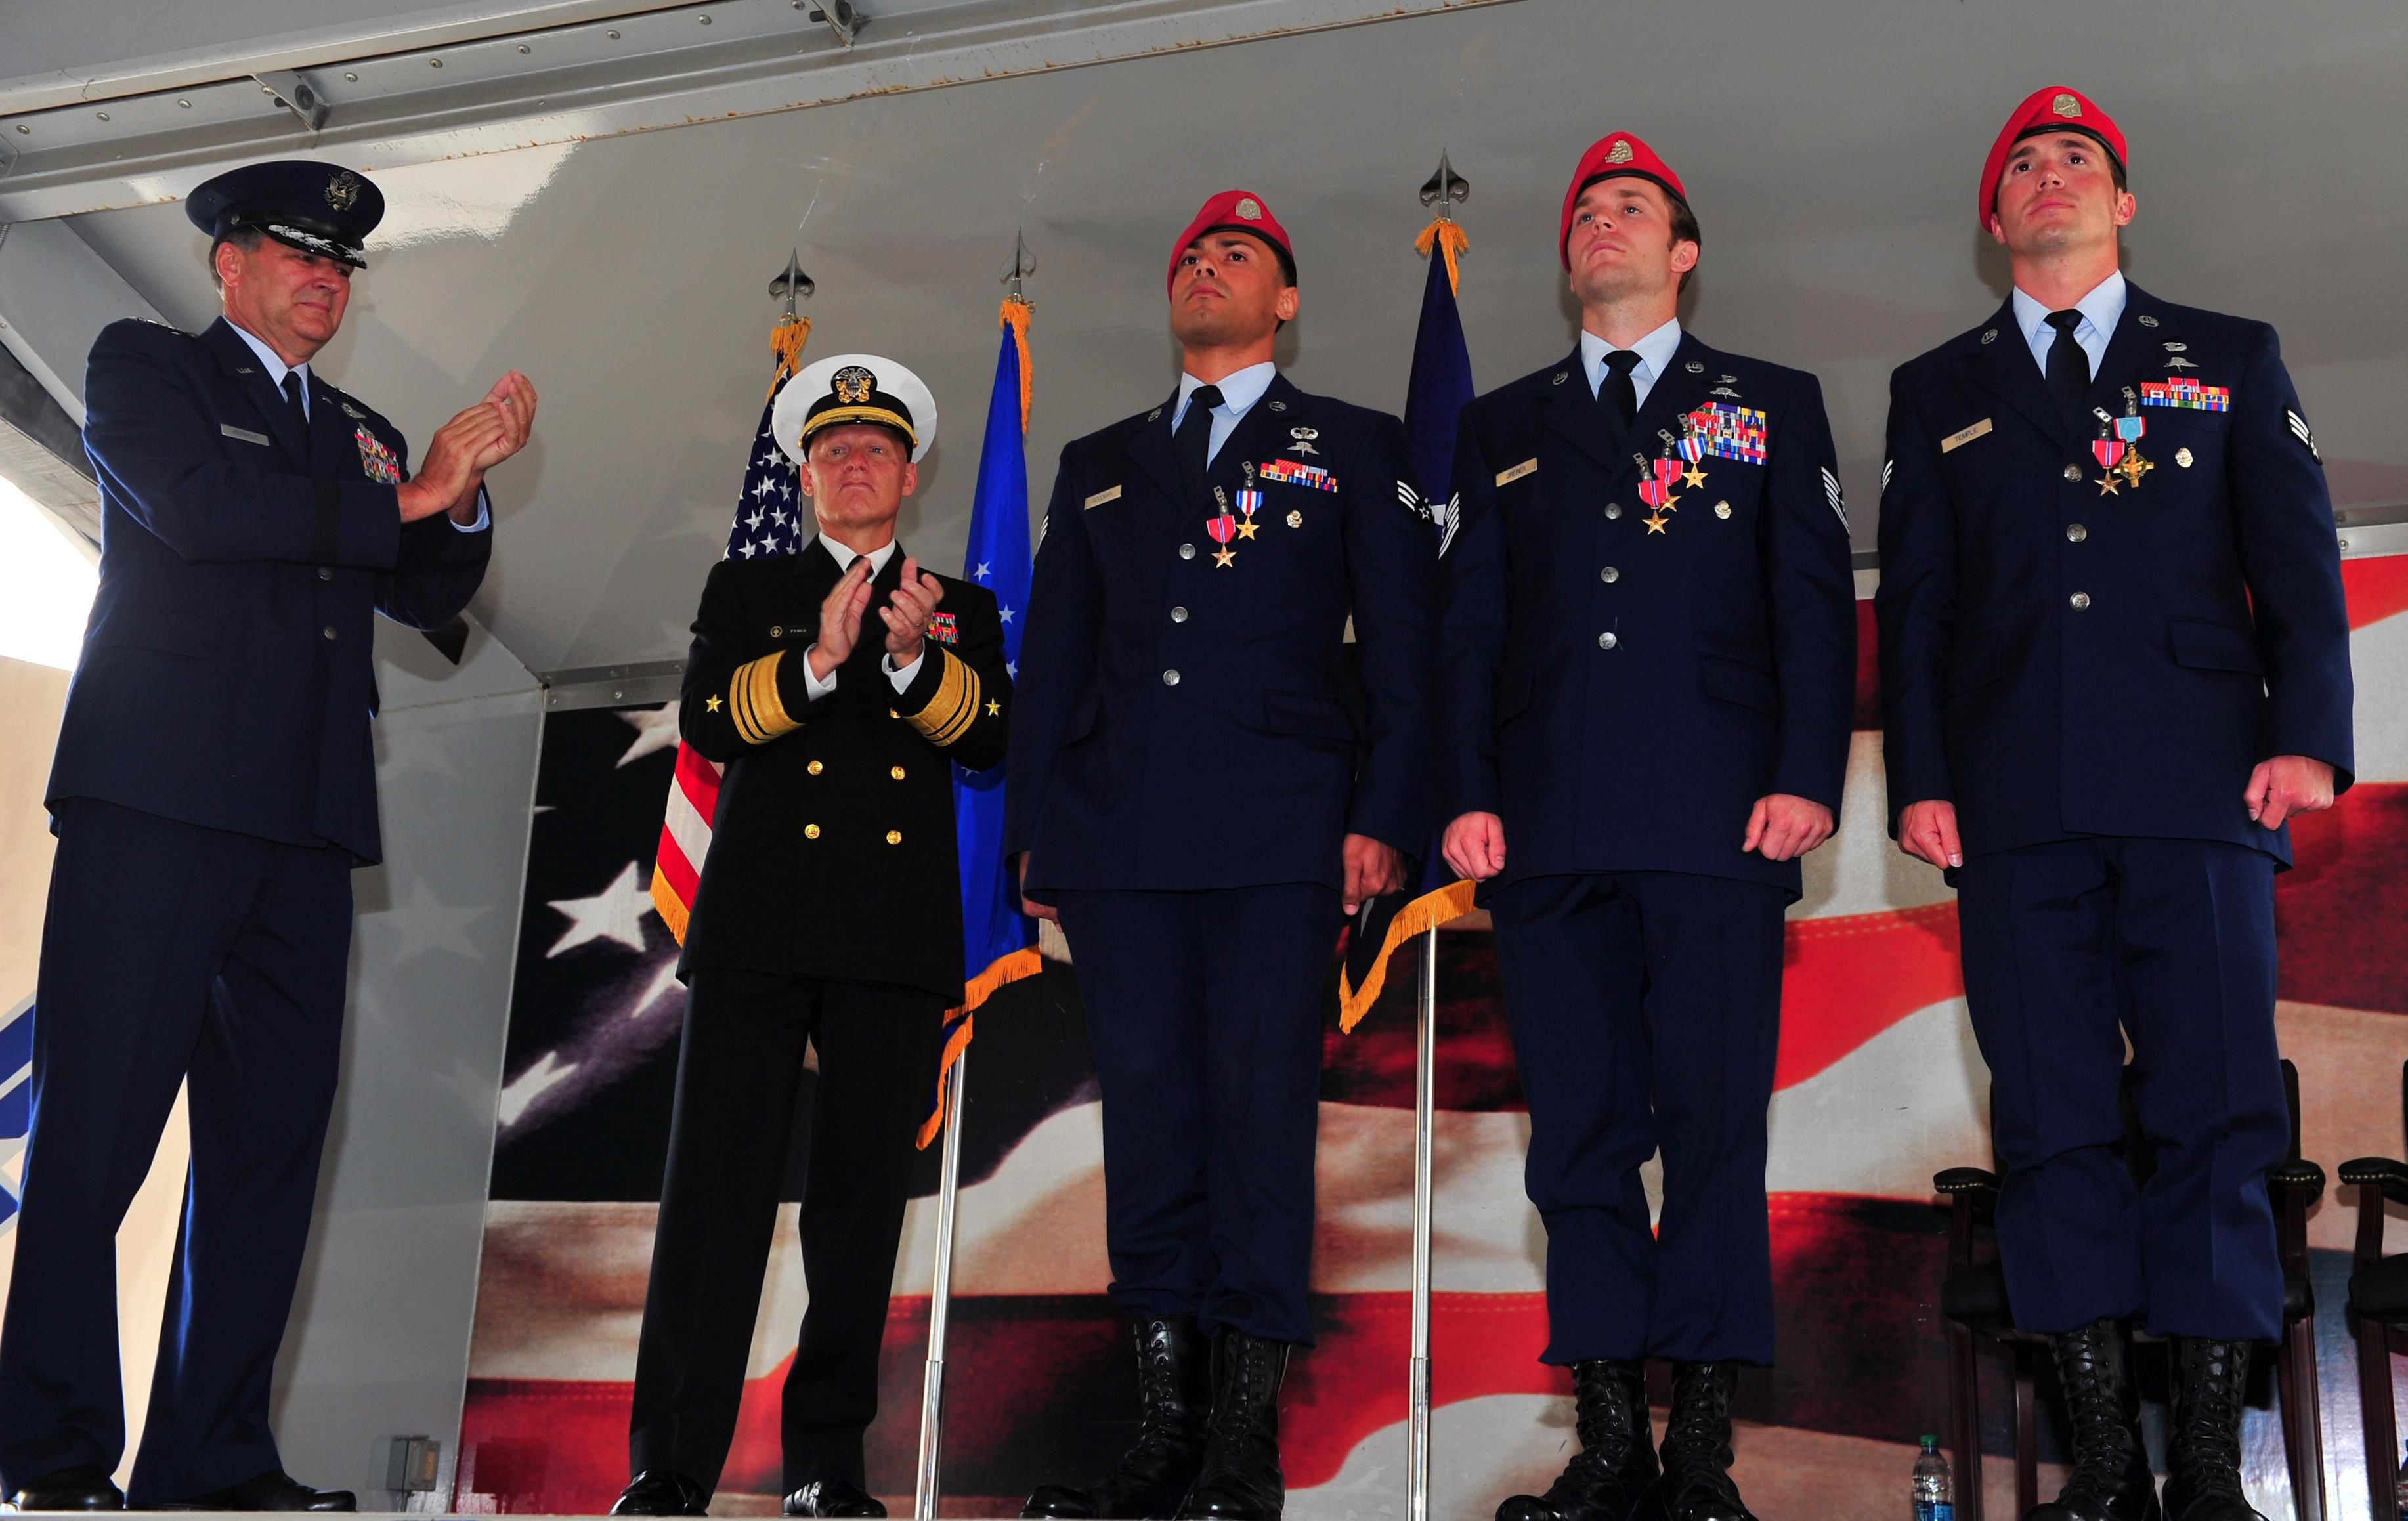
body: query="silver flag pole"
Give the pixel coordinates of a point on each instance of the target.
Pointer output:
(932, 1389)
(1417, 1440)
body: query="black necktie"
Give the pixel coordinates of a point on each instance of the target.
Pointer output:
(2068, 367)
(1617, 394)
(1193, 442)
(300, 418)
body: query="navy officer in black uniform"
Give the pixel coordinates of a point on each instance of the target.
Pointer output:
(2114, 660)
(1192, 792)
(213, 787)
(838, 687)
(1646, 664)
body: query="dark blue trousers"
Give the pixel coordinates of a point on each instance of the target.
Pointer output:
(2070, 948)
(170, 952)
(1204, 1018)
(1645, 1011)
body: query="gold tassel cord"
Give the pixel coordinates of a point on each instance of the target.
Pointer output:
(1015, 315)
(786, 342)
(1427, 911)
(1448, 236)
(1023, 962)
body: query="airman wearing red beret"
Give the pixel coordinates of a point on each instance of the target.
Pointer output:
(1675, 509)
(2114, 660)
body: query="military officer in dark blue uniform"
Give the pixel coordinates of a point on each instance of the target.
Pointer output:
(213, 788)
(2113, 661)
(1191, 792)
(1645, 669)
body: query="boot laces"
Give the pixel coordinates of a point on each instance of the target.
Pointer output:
(1604, 1419)
(2104, 1438)
(1159, 1403)
(2206, 1441)
(1699, 1419)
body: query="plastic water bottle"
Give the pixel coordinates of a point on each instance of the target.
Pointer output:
(1935, 1492)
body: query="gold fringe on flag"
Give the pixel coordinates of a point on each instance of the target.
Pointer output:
(1015, 315)
(786, 341)
(672, 909)
(1021, 964)
(1448, 235)
(1427, 911)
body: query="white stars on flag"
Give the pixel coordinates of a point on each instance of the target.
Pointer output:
(615, 913)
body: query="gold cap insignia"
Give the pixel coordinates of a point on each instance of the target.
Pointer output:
(853, 384)
(1619, 153)
(343, 190)
(2065, 105)
(1250, 209)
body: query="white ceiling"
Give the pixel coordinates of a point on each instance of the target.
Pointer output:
(1830, 153)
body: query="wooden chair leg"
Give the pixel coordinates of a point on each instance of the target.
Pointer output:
(2382, 1434)
(2026, 1436)
(1965, 1420)
(2303, 1441)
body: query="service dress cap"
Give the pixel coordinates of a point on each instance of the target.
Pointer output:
(2050, 108)
(854, 388)
(1233, 211)
(1616, 155)
(320, 208)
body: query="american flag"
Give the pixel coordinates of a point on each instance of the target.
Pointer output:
(771, 519)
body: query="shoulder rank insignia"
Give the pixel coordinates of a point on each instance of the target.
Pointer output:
(2184, 391)
(1730, 432)
(942, 629)
(376, 461)
(2299, 430)
(1831, 492)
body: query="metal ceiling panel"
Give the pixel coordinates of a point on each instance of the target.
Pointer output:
(1831, 167)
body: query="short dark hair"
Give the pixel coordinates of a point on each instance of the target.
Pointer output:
(247, 239)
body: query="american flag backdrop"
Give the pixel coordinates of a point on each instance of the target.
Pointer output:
(771, 519)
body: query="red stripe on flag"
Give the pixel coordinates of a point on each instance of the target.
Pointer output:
(2376, 586)
(2350, 881)
(1845, 980)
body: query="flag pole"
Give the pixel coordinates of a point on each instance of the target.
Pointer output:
(932, 1388)
(1425, 1128)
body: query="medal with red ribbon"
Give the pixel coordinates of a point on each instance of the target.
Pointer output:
(1223, 528)
(1657, 492)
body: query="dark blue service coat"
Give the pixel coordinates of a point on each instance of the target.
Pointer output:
(225, 674)
(2060, 660)
(1184, 724)
(1621, 684)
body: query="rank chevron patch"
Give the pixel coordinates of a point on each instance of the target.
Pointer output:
(1832, 490)
(2299, 431)
(1451, 519)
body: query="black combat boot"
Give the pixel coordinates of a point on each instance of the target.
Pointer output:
(1610, 1474)
(2203, 1453)
(1173, 1383)
(1242, 1479)
(2111, 1479)
(1697, 1483)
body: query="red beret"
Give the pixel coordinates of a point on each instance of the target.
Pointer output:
(1232, 210)
(2053, 109)
(1614, 157)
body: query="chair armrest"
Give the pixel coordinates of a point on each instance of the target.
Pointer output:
(2378, 1172)
(1981, 1184)
(2302, 1178)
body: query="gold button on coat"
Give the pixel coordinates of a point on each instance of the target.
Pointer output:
(1722, 509)
(896, 773)
(810, 831)
(813, 767)
(895, 837)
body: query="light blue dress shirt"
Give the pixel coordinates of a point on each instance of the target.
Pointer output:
(2102, 310)
(1239, 393)
(1655, 357)
(277, 369)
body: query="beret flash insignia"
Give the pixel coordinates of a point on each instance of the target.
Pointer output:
(1619, 153)
(2065, 105)
(1250, 209)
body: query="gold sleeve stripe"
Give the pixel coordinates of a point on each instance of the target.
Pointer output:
(955, 708)
(753, 701)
